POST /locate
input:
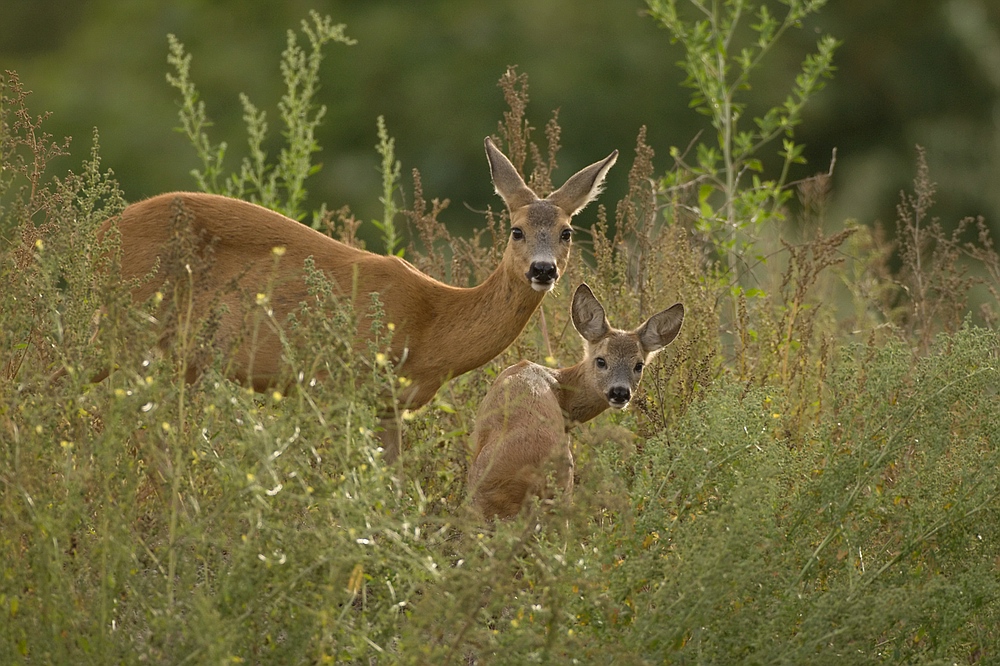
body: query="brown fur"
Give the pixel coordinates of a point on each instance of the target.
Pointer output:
(440, 331)
(522, 422)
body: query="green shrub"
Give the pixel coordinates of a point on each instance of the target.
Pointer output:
(871, 539)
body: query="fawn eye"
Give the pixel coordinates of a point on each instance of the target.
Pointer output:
(516, 233)
(638, 367)
(600, 362)
(567, 234)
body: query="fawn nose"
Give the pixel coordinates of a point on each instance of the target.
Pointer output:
(619, 396)
(543, 275)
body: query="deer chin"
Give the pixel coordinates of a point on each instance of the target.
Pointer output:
(614, 404)
(538, 285)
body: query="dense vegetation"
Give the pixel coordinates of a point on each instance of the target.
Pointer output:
(808, 475)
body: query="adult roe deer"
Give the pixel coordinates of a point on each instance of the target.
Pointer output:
(440, 331)
(523, 422)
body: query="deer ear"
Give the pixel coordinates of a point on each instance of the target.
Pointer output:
(588, 315)
(583, 186)
(506, 180)
(660, 330)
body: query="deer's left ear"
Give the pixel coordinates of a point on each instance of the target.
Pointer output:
(588, 315)
(660, 330)
(583, 186)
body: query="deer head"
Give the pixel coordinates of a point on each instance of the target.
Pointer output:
(540, 229)
(614, 359)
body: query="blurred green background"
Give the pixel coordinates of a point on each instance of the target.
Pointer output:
(909, 72)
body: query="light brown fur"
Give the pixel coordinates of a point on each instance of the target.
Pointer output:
(522, 423)
(440, 331)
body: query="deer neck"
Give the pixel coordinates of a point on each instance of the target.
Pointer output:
(479, 323)
(579, 401)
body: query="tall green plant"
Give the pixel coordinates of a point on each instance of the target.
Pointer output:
(390, 170)
(720, 57)
(278, 185)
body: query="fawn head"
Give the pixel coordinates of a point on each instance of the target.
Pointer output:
(613, 358)
(540, 229)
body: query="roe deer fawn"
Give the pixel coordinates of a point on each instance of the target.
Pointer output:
(440, 331)
(522, 423)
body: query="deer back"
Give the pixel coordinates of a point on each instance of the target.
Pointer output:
(440, 331)
(247, 250)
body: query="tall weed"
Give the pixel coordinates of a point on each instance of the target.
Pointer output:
(281, 184)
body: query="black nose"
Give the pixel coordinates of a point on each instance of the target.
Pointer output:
(543, 271)
(619, 395)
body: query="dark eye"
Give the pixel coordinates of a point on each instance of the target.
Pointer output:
(567, 234)
(601, 363)
(638, 368)
(516, 233)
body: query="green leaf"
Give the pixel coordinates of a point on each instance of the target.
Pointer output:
(704, 192)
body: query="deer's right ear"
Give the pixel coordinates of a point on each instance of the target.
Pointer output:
(661, 329)
(588, 315)
(506, 180)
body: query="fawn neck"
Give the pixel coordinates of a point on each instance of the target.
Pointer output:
(578, 399)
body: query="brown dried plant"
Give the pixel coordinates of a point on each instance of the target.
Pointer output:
(433, 233)
(868, 277)
(541, 175)
(800, 348)
(445, 256)
(676, 272)
(514, 132)
(783, 334)
(929, 292)
(986, 254)
(342, 225)
(933, 284)
(622, 255)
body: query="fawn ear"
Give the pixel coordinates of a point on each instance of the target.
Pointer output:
(583, 186)
(506, 180)
(588, 315)
(660, 330)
